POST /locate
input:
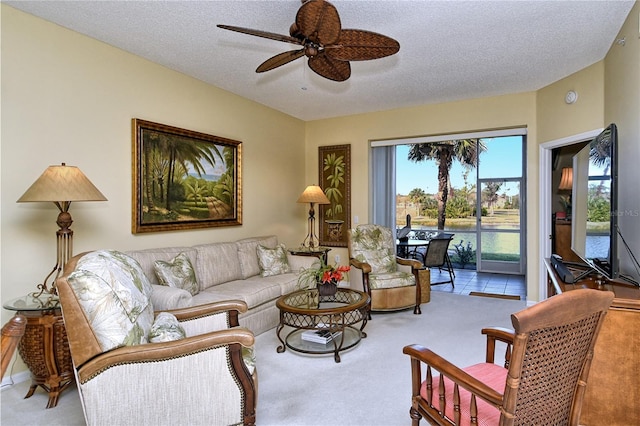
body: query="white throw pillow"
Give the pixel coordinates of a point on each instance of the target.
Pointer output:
(273, 261)
(114, 295)
(166, 328)
(178, 272)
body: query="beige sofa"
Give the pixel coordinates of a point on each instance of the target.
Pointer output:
(226, 271)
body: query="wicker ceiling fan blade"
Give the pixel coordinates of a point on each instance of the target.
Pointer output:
(318, 21)
(361, 45)
(279, 60)
(259, 33)
(318, 30)
(329, 68)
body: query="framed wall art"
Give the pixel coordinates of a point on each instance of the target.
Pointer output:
(184, 179)
(335, 180)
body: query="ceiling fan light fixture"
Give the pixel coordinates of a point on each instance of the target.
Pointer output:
(328, 47)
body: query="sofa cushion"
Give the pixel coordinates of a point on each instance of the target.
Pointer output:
(395, 279)
(247, 253)
(112, 289)
(253, 291)
(273, 261)
(166, 328)
(217, 263)
(178, 272)
(147, 258)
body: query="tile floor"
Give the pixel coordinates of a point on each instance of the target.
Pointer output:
(467, 281)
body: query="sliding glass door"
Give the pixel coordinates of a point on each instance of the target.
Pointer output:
(480, 195)
(499, 232)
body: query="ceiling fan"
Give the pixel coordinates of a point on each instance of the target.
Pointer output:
(329, 47)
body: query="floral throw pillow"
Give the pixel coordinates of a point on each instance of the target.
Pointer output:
(114, 294)
(273, 261)
(166, 328)
(178, 272)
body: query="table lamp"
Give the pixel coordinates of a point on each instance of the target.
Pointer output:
(61, 185)
(312, 194)
(566, 181)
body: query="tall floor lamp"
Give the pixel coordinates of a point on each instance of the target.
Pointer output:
(312, 194)
(61, 185)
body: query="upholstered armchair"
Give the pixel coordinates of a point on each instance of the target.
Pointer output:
(547, 360)
(140, 367)
(391, 282)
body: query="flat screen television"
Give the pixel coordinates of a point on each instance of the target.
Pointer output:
(595, 203)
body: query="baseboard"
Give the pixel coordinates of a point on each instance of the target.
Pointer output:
(498, 296)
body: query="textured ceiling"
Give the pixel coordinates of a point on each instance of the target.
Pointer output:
(450, 50)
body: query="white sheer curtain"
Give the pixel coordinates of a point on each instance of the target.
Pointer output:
(383, 178)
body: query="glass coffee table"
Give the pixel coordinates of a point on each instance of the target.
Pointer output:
(316, 318)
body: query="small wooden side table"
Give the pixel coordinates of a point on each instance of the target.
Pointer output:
(44, 346)
(319, 252)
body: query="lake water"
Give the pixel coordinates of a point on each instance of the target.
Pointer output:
(509, 243)
(492, 242)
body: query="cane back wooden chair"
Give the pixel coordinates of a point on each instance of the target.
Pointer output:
(140, 367)
(547, 361)
(12, 332)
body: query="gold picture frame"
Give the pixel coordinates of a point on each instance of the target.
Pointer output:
(335, 180)
(184, 179)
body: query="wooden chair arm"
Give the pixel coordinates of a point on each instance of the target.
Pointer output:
(420, 354)
(505, 335)
(158, 352)
(12, 332)
(365, 267)
(501, 334)
(415, 264)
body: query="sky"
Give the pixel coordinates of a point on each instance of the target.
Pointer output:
(503, 158)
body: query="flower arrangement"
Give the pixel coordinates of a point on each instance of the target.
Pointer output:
(565, 200)
(321, 273)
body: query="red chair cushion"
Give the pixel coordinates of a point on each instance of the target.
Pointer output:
(492, 375)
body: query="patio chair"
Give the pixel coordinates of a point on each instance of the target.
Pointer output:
(437, 256)
(547, 360)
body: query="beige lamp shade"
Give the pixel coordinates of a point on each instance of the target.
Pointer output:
(566, 181)
(62, 183)
(313, 194)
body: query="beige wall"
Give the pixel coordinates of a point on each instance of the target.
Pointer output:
(557, 119)
(68, 98)
(622, 106)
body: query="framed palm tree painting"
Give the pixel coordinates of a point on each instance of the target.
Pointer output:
(184, 179)
(335, 180)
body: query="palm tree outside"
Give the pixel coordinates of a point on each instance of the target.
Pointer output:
(470, 188)
(465, 151)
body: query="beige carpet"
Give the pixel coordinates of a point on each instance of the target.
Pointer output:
(371, 386)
